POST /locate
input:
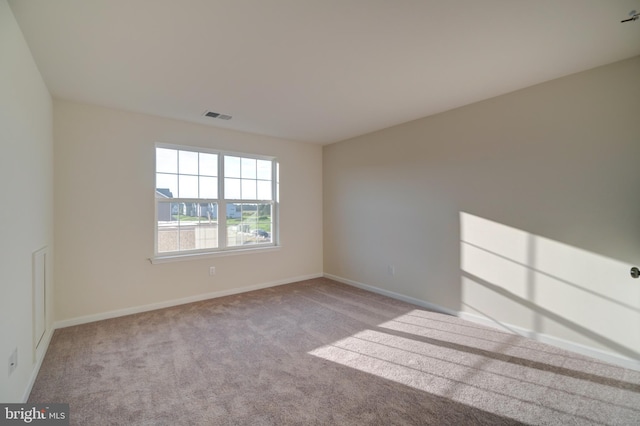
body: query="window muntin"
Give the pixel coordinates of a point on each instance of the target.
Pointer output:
(248, 178)
(252, 223)
(189, 185)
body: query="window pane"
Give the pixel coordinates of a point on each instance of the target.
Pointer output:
(166, 160)
(232, 166)
(208, 187)
(264, 170)
(188, 186)
(264, 213)
(248, 168)
(189, 218)
(264, 222)
(208, 164)
(187, 236)
(234, 211)
(264, 190)
(251, 226)
(234, 225)
(167, 185)
(167, 227)
(188, 162)
(232, 189)
(248, 189)
(206, 233)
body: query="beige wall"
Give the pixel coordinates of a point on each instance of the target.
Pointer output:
(524, 208)
(26, 212)
(104, 212)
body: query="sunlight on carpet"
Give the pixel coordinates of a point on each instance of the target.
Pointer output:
(492, 371)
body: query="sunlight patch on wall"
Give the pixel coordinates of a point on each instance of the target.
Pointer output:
(518, 278)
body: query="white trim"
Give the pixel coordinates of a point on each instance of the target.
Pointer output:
(175, 302)
(34, 273)
(197, 256)
(509, 328)
(42, 351)
(46, 340)
(393, 295)
(221, 201)
(554, 341)
(564, 344)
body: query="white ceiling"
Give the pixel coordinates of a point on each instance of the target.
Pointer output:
(315, 70)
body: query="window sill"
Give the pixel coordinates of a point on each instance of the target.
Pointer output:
(197, 256)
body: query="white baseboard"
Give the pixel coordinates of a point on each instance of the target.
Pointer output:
(175, 302)
(609, 357)
(46, 340)
(555, 341)
(564, 344)
(393, 295)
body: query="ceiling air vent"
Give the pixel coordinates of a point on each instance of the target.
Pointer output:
(216, 115)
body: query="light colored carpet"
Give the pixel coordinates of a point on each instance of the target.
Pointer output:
(320, 352)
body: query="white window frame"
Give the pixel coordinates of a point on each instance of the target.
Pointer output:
(222, 202)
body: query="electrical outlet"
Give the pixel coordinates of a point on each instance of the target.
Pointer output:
(391, 270)
(212, 270)
(13, 361)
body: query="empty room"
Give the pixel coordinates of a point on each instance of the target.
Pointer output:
(319, 212)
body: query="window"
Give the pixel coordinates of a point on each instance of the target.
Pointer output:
(209, 201)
